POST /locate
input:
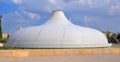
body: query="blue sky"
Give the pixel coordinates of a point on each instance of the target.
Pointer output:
(97, 14)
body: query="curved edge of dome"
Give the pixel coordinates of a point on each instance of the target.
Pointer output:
(63, 46)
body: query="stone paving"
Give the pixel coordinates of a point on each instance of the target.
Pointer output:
(68, 58)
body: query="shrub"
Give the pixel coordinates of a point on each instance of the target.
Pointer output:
(3, 40)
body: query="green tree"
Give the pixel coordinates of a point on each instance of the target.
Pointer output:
(0, 27)
(112, 37)
(118, 37)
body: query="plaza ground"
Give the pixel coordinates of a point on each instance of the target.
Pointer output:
(67, 58)
(61, 55)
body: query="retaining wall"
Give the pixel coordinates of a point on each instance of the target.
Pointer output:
(55, 52)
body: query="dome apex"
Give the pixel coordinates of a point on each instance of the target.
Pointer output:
(58, 15)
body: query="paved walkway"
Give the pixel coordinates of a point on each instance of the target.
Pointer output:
(72, 58)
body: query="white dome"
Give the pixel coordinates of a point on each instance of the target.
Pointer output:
(57, 32)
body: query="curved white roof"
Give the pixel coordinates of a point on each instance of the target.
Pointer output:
(57, 32)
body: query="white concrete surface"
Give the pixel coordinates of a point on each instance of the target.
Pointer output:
(57, 32)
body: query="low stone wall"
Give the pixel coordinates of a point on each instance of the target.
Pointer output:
(55, 52)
